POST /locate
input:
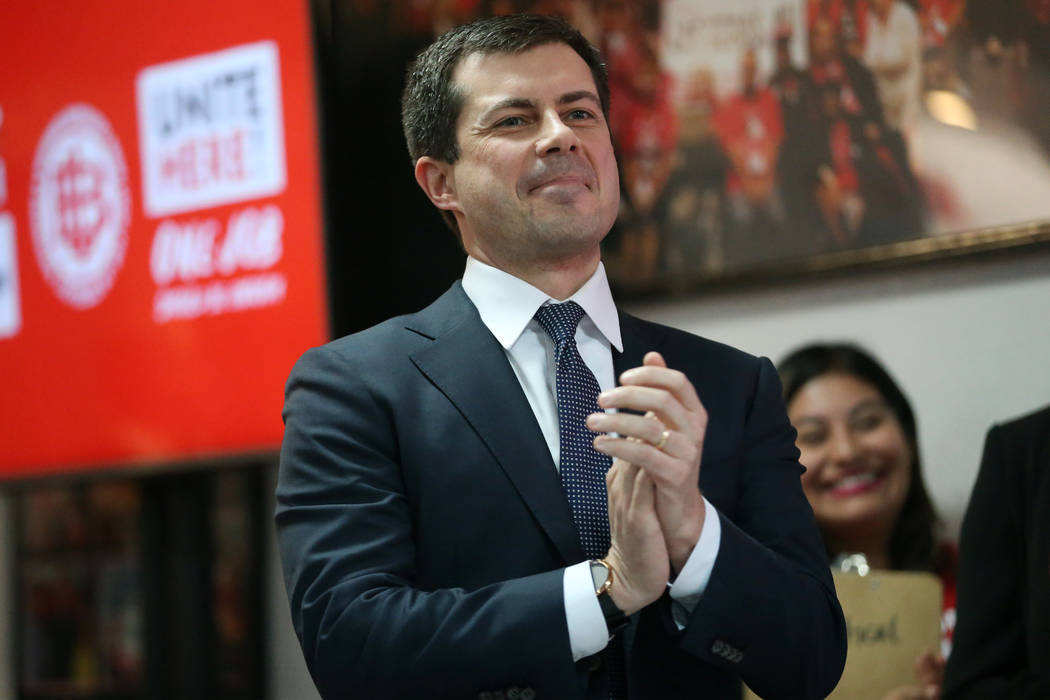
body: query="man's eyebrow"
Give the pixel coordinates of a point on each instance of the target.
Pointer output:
(509, 103)
(578, 95)
(525, 103)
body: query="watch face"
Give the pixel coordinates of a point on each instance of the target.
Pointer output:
(599, 574)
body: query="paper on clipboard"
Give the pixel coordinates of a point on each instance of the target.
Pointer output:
(891, 618)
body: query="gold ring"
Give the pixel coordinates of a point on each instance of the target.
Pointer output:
(663, 440)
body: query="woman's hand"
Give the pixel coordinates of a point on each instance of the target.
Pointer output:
(929, 676)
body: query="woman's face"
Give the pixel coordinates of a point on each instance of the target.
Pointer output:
(857, 458)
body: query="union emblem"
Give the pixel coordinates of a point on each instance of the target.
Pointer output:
(80, 206)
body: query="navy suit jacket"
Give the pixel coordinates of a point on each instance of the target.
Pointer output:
(1001, 646)
(423, 529)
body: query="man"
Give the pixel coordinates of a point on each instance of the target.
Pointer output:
(1001, 646)
(751, 131)
(442, 516)
(802, 162)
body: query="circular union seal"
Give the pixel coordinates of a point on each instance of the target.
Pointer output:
(79, 205)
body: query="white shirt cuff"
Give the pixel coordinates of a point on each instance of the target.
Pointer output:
(693, 578)
(588, 633)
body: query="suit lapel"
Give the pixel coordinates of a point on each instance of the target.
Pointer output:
(468, 365)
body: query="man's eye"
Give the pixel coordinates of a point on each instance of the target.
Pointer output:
(511, 121)
(578, 114)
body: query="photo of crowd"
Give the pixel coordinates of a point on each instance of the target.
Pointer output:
(761, 133)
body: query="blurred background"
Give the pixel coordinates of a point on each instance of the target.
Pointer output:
(192, 194)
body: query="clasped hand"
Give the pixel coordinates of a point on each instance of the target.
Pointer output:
(656, 511)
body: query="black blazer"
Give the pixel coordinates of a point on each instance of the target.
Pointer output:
(1001, 645)
(424, 532)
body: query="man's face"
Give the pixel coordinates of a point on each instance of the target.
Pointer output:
(822, 41)
(536, 178)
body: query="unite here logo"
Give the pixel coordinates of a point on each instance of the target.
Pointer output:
(211, 129)
(79, 205)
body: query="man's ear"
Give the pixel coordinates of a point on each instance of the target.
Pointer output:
(436, 179)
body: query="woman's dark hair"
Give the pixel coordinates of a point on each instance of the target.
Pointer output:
(913, 542)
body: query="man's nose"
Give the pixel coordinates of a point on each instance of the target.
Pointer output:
(556, 136)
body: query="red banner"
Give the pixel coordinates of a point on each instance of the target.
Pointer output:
(161, 263)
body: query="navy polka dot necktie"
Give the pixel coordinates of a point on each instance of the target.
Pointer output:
(582, 467)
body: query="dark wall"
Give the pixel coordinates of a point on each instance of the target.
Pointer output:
(388, 250)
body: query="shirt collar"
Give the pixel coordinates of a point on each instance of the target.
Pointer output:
(507, 304)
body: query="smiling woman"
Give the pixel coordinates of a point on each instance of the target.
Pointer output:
(859, 443)
(858, 460)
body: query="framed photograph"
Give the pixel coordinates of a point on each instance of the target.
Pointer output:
(766, 138)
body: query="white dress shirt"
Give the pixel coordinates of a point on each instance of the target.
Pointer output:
(507, 306)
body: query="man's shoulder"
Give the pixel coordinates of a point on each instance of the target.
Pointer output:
(402, 334)
(1021, 449)
(1027, 430)
(1037, 421)
(693, 348)
(383, 337)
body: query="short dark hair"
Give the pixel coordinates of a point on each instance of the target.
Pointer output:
(431, 102)
(913, 542)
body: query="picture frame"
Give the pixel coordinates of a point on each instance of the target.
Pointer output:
(936, 136)
(764, 140)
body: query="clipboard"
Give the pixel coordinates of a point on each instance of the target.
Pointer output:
(891, 618)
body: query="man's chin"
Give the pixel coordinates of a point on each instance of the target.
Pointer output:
(569, 226)
(572, 213)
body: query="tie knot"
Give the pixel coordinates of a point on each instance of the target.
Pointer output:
(560, 320)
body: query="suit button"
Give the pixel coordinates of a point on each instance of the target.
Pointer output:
(594, 663)
(727, 651)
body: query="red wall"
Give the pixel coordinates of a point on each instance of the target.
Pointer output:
(161, 263)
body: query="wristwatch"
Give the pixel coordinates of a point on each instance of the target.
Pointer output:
(603, 576)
